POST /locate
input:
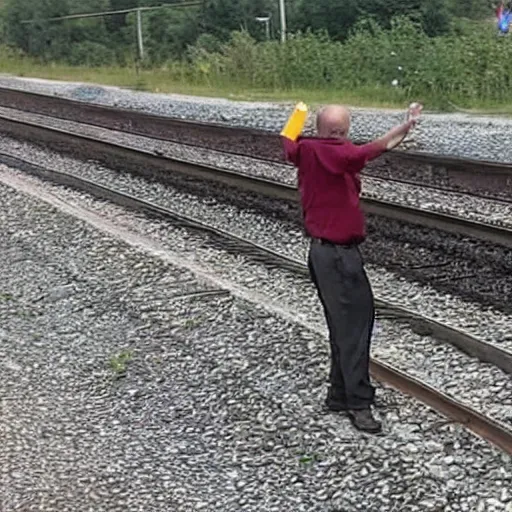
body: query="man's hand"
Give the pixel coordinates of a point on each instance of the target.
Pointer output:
(414, 111)
(396, 135)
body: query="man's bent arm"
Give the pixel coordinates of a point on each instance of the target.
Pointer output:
(291, 150)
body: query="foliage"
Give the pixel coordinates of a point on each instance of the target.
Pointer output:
(433, 48)
(168, 32)
(119, 363)
(221, 17)
(338, 17)
(435, 17)
(89, 53)
(462, 67)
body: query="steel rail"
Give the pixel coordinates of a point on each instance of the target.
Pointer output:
(133, 160)
(173, 129)
(503, 198)
(479, 178)
(486, 427)
(181, 131)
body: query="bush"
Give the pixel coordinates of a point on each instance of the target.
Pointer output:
(91, 54)
(470, 64)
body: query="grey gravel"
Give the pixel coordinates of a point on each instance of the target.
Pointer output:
(173, 150)
(485, 388)
(486, 211)
(219, 408)
(485, 324)
(449, 134)
(457, 204)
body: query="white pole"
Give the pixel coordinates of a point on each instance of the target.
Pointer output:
(282, 11)
(139, 34)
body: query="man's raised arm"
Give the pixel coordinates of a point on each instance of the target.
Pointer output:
(389, 141)
(396, 135)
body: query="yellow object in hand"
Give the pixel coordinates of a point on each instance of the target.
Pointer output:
(296, 122)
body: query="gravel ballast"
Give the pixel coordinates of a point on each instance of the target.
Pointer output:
(487, 324)
(485, 388)
(449, 134)
(410, 250)
(219, 404)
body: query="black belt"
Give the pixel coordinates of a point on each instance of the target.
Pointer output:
(323, 241)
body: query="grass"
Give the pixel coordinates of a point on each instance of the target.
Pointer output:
(119, 363)
(191, 323)
(309, 459)
(485, 108)
(161, 80)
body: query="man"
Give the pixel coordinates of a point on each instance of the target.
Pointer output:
(504, 22)
(329, 185)
(504, 17)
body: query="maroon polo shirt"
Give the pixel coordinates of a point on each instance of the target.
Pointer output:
(330, 185)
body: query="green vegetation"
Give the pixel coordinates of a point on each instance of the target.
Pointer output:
(191, 323)
(461, 68)
(345, 50)
(307, 460)
(119, 363)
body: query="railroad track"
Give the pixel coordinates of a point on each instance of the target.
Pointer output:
(492, 430)
(476, 271)
(474, 177)
(130, 159)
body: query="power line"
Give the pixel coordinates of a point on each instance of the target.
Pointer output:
(111, 13)
(138, 10)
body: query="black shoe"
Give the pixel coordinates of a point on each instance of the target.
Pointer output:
(363, 420)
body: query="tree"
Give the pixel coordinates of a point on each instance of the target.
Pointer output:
(335, 16)
(436, 18)
(338, 17)
(169, 32)
(221, 17)
(15, 33)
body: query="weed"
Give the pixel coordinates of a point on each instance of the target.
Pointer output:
(119, 363)
(190, 323)
(308, 459)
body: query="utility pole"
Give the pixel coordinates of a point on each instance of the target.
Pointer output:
(137, 10)
(282, 11)
(139, 35)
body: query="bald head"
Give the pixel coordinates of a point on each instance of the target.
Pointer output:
(333, 121)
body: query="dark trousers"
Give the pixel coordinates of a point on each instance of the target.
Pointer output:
(343, 287)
